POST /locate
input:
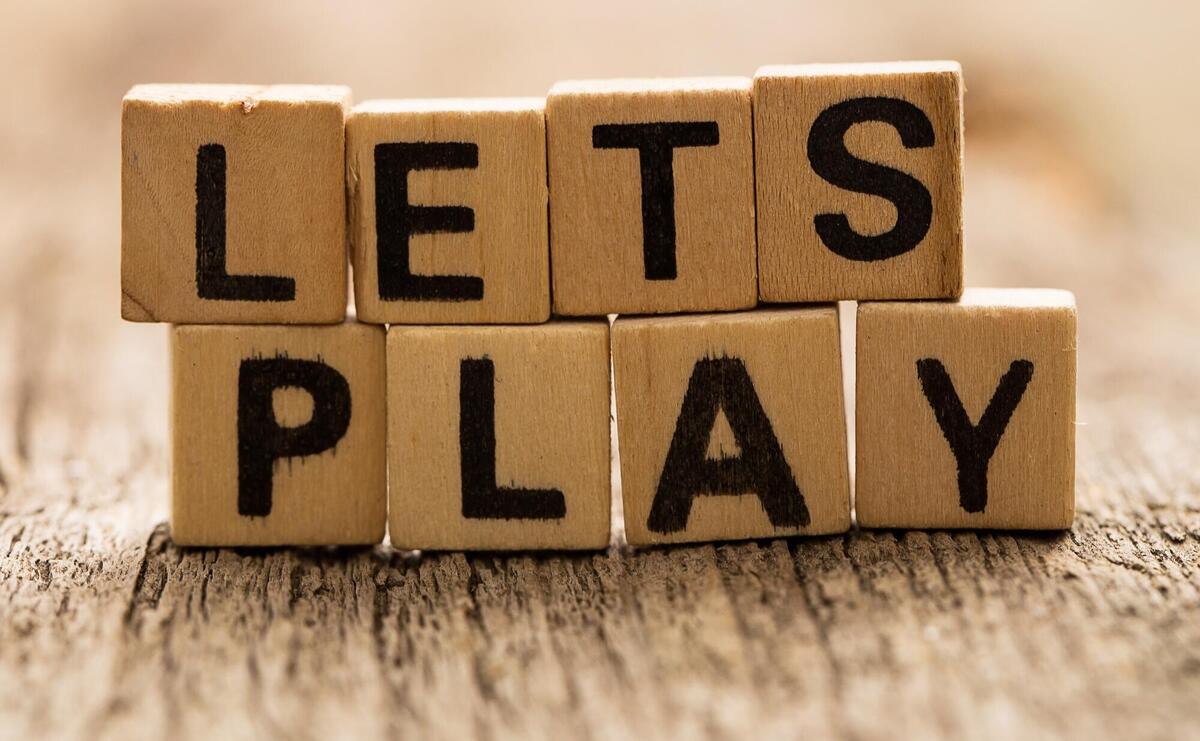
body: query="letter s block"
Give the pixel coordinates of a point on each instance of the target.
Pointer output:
(651, 196)
(859, 181)
(499, 437)
(233, 204)
(448, 211)
(966, 411)
(277, 435)
(731, 426)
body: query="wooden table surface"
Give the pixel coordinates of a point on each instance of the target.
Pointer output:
(107, 630)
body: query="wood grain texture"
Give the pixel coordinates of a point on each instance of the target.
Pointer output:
(1009, 356)
(597, 240)
(699, 397)
(509, 246)
(332, 489)
(794, 261)
(546, 390)
(109, 631)
(285, 204)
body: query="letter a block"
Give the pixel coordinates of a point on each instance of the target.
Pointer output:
(498, 437)
(651, 196)
(448, 211)
(277, 435)
(731, 426)
(966, 412)
(233, 204)
(859, 178)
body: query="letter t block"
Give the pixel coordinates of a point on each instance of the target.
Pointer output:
(651, 196)
(966, 412)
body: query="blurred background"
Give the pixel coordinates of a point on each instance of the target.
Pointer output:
(1082, 162)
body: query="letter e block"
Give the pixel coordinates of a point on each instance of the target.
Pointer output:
(651, 196)
(448, 211)
(859, 179)
(233, 204)
(498, 437)
(966, 412)
(731, 426)
(277, 435)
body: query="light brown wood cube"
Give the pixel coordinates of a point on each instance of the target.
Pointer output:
(731, 426)
(966, 412)
(233, 204)
(859, 178)
(651, 196)
(498, 437)
(277, 435)
(448, 211)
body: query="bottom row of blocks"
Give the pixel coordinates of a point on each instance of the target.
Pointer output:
(730, 426)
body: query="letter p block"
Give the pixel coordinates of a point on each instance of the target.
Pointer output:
(277, 435)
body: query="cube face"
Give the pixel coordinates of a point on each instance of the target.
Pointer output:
(731, 426)
(966, 412)
(406, 157)
(499, 437)
(278, 435)
(233, 204)
(651, 196)
(859, 181)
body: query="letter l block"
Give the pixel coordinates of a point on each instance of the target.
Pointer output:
(499, 437)
(731, 426)
(277, 435)
(966, 412)
(233, 206)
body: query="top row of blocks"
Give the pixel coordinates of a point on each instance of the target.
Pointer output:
(806, 184)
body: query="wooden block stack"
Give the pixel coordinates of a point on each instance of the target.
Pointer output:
(494, 236)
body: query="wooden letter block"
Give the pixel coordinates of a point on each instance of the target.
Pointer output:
(233, 204)
(498, 437)
(859, 177)
(731, 426)
(278, 435)
(651, 196)
(448, 211)
(966, 412)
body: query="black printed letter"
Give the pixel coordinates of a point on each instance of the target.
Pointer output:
(761, 468)
(481, 498)
(972, 445)
(832, 161)
(212, 282)
(396, 220)
(655, 143)
(262, 441)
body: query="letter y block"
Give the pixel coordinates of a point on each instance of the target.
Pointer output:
(966, 412)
